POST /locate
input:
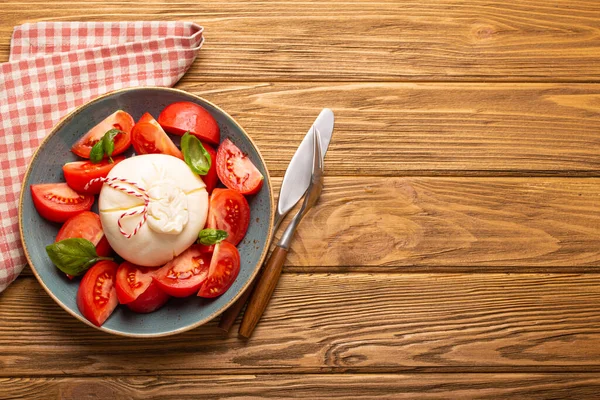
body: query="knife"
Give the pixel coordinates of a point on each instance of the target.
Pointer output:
(267, 282)
(295, 182)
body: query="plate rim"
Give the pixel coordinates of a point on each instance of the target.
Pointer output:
(201, 322)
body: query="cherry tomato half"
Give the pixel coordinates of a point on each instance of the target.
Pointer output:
(224, 268)
(58, 202)
(79, 173)
(181, 117)
(228, 210)
(132, 281)
(97, 296)
(148, 137)
(117, 120)
(182, 276)
(236, 171)
(151, 300)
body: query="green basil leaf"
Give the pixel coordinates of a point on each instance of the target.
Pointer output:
(108, 145)
(195, 155)
(74, 256)
(111, 134)
(97, 152)
(109, 141)
(211, 236)
(105, 146)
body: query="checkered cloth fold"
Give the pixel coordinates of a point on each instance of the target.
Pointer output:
(57, 66)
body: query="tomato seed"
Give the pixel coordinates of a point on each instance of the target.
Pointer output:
(63, 200)
(185, 275)
(198, 261)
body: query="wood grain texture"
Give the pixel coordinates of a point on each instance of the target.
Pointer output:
(424, 129)
(414, 223)
(335, 323)
(263, 291)
(498, 40)
(419, 224)
(355, 386)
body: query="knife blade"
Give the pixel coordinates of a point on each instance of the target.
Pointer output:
(297, 176)
(295, 182)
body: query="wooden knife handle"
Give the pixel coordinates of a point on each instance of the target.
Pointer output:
(229, 316)
(263, 291)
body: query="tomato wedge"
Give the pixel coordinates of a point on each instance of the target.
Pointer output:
(151, 300)
(147, 117)
(211, 179)
(148, 137)
(181, 117)
(224, 268)
(117, 120)
(229, 210)
(79, 173)
(206, 248)
(132, 280)
(236, 171)
(97, 296)
(182, 276)
(86, 225)
(58, 202)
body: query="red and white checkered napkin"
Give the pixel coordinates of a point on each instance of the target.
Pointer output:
(55, 67)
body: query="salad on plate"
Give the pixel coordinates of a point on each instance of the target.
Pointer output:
(169, 218)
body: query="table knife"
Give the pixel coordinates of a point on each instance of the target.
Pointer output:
(271, 272)
(295, 182)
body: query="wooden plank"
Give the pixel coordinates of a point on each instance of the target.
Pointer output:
(335, 323)
(453, 224)
(483, 40)
(368, 224)
(425, 129)
(380, 386)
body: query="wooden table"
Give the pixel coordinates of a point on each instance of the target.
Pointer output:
(455, 250)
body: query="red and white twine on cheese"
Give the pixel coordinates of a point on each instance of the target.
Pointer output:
(140, 193)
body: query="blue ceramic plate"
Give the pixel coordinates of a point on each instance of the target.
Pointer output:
(178, 315)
